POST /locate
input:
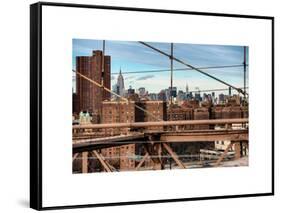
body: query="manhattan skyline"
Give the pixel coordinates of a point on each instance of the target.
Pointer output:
(140, 65)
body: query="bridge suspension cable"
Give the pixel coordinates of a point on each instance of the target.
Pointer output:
(192, 67)
(180, 69)
(119, 96)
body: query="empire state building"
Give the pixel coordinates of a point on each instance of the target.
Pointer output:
(120, 84)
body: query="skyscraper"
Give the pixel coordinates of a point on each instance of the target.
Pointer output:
(142, 91)
(97, 68)
(120, 84)
(173, 91)
(187, 89)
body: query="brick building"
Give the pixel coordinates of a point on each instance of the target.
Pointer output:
(89, 96)
(123, 157)
(157, 110)
(231, 112)
(216, 112)
(245, 112)
(191, 104)
(75, 104)
(120, 112)
(201, 113)
(176, 113)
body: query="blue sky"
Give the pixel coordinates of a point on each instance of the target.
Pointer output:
(133, 56)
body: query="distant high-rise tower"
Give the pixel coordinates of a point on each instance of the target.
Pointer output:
(89, 96)
(142, 91)
(120, 84)
(186, 89)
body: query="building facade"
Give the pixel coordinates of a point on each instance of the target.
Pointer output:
(121, 157)
(176, 113)
(157, 112)
(90, 96)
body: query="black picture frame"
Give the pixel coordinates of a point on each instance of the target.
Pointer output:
(36, 103)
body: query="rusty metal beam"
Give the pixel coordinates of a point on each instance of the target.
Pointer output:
(142, 160)
(156, 150)
(206, 136)
(160, 152)
(173, 137)
(101, 159)
(223, 155)
(151, 148)
(237, 149)
(84, 162)
(173, 155)
(106, 142)
(75, 156)
(111, 139)
(109, 165)
(161, 123)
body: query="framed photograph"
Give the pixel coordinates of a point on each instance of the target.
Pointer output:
(135, 105)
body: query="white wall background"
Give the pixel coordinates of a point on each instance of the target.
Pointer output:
(14, 105)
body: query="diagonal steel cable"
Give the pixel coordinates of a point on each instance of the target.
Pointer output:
(119, 96)
(192, 67)
(180, 69)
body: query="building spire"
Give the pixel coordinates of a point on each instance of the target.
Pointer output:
(120, 84)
